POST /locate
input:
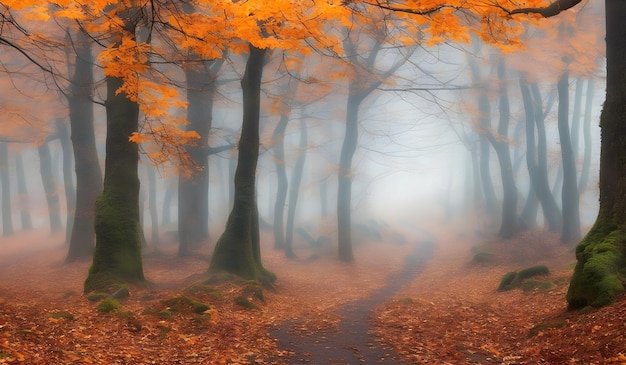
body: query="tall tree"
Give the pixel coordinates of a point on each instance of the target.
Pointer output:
(238, 249)
(117, 256)
(5, 179)
(86, 162)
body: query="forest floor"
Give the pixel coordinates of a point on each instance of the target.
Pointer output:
(448, 313)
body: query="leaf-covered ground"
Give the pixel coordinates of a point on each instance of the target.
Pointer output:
(449, 314)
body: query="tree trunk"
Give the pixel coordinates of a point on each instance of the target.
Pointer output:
(193, 191)
(601, 256)
(117, 256)
(294, 189)
(68, 176)
(152, 205)
(86, 162)
(549, 206)
(22, 191)
(344, 188)
(238, 250)
(278, 143)
(569, 194)
(5, 178)
(584, 173)
(508, 224)
(536, 158)
(50, 187)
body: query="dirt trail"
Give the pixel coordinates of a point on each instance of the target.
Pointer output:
(351, 342)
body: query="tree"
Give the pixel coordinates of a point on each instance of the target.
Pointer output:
(86, 162)
(117, 255)
(238, 249)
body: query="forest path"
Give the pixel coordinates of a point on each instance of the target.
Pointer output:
(351, 342)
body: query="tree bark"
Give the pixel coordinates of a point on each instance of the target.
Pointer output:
(571, 216)
(601, 256)
(344, 188)
(238, 250)
(86, 162)
(117, 256)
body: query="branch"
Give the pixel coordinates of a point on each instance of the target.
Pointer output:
(378, 4)
(549, 11)
(216, 150)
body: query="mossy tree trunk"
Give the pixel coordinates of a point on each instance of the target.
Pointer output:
(238, 250)
(117, 256)
(86, 162)
(601, 256)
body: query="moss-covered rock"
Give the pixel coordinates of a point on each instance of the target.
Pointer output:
(598, 277)
(246, 303)
(108, 305)
(542, 327)
(506, 281)
(514, 279)
(96, 297)
(62, 315)
(185, 304)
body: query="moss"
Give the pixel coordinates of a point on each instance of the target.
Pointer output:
(108, 305)
(201, 289)
(246, 303)
(506, 281)
(515, 279)
(253, 288)
(121, 293)
(62, 314)
(184, 304)
(406, 301)
(597, 279)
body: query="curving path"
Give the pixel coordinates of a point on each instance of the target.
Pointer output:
(351, 342)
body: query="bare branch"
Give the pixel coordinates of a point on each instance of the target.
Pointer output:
(549, 11)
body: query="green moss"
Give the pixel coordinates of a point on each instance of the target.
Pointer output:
(121, 293)
(62, 314)
(108, 305)
(406, 301)
(254, 289)
(183, 304)
(597, 279)
(203, 289)
(506, 281)
(246, 303)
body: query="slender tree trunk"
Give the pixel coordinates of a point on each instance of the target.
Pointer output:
(5, 178)
(508, 224)
(571, 215)
(294, 189)
(278, 142)
(344, 189)
(170, 191)
(584, 173)
(68, 175)
(117, 256)
(238, 250)
(86, 162)
(22, 191)
(152, 205)
(601, 256)
(549, 206)
(50, 187)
